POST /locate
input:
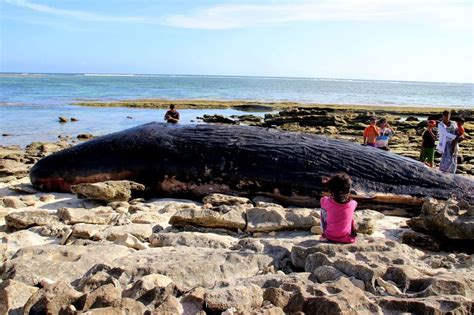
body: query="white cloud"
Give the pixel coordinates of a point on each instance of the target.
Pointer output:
(239, 16)
(228, 16)
(77, 14)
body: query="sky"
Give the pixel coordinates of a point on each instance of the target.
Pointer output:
(413, 40)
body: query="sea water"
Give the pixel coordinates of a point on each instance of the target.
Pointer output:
(31, 103)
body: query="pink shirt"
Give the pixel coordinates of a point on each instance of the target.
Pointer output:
(340, 220)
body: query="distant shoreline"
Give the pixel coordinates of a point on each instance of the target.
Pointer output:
(99, 74)
(246, 105)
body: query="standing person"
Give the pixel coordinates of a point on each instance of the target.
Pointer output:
(447, 133)
(385, 133)
(172, 115)
(428, 144)
(371, 133)
(337, 211)
(460, 135)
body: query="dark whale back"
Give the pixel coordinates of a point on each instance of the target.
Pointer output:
(242, 158)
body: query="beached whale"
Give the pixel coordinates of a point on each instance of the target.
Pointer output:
(194, 160)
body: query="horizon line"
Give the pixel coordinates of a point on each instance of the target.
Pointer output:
(228, 76)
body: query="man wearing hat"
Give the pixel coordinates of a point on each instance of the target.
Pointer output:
(428, 144)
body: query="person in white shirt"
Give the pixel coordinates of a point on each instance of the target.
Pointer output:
(447, 133)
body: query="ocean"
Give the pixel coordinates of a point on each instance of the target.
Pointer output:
(31, 103)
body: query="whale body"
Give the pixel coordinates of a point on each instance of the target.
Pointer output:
(184, 160)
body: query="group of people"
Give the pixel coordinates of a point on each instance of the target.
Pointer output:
(337, 209)
(447, 132)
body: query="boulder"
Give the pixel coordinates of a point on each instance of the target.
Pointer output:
(340, 297)
(26, 219)
(130, 241)
(169, 306)
(192, 239)
(327, 273)
(267, 219)
(366, 220)
(100, 215)
(85, 136)
(31, 265)
(141, 231)
(13, 168)
(152, 289)
(433, 305)
(88, 231)
(126, 306)
(242, 298)
(189, 267)
(444, 218)
(107, 295)
(220, 199)
(52, 299)
(227, 217)
(13, 296)
(120, 190)
(13, 202)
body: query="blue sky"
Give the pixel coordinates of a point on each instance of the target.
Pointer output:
(415, 40)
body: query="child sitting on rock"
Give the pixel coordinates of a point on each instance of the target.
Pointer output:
(337, 211)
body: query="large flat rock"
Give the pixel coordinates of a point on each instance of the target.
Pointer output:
(190, 267)
(30, 265)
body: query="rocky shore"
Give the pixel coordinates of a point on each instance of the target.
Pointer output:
(104, 251)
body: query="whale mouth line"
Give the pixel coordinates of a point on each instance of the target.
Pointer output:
(57, 183)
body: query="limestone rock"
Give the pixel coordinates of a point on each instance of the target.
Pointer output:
(13, 296)
(445, 219)
(152, 288)
(420, 240)
(13, 168)
(130, 241)
(141, 231)
(126, 306)
(120, 190)
(340, 297)
(180, 264)
(366, 220)
(220, 199)
(227, 217)
(242, 298)
(26, 219)
(104, 296)
(433, 305)
(317, 230)
(13, 202)
(192, 239)
(327, 273)
(149, 217)
(89, 231)
(23, 238)
(91, 282)
(267, 219)
(51, 299)
(66, 263)
(169, 306)
(101, 215)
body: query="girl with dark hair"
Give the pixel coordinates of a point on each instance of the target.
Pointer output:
(337, 211)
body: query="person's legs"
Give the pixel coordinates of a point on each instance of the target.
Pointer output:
(430, 153)
(323, 220)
